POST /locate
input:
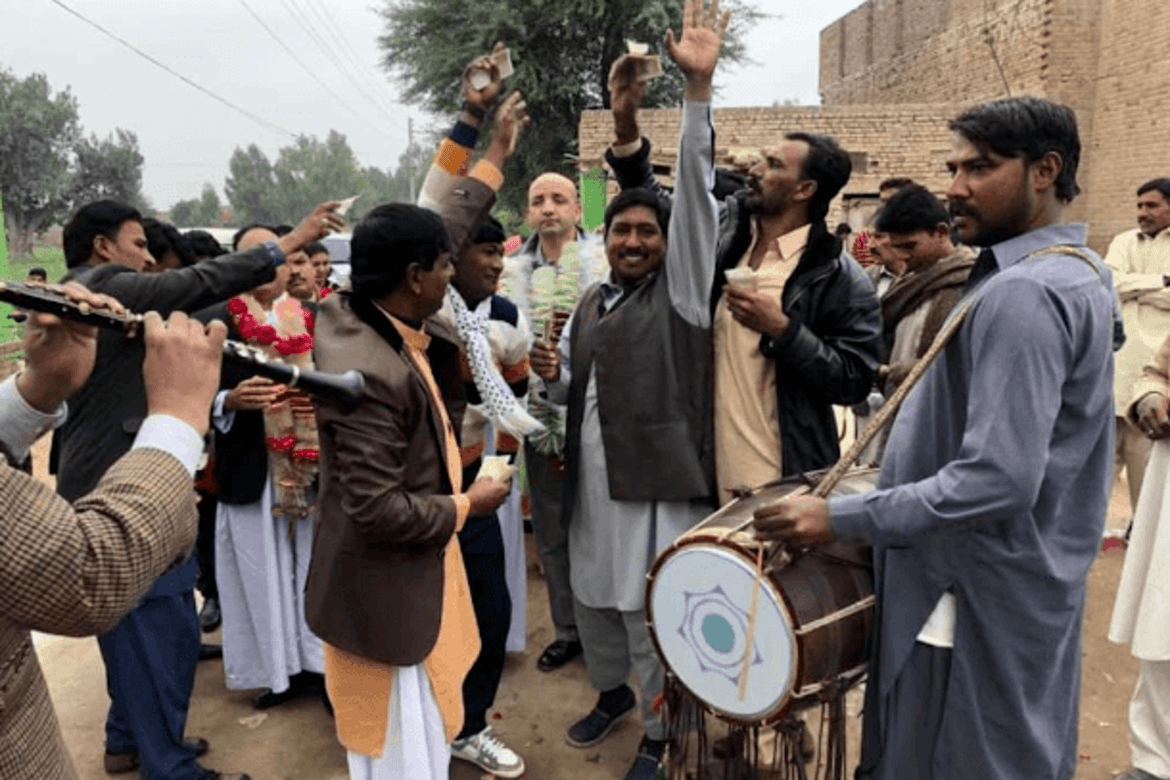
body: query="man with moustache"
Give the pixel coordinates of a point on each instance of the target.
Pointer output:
(264, 532)
(1140, 259)
(804, 335)
(634, 366)
(150, 656)
(995, 484)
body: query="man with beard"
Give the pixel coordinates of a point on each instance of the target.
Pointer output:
(801, 332)
(994, 488)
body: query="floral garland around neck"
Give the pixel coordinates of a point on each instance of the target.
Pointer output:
(552, 296)
(290, 424)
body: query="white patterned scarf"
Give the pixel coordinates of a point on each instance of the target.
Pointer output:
(497, 397)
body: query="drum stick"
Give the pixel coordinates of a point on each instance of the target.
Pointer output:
(750, 639)
(892, 404)
(830, 480)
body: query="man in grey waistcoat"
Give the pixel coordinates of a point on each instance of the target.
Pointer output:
(634, 366)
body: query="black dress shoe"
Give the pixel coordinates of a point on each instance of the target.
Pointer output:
(208, 652)
(120, 763)
(558, 654)
(211, 774)
(267, 698)
(611, 707)
(209, 616)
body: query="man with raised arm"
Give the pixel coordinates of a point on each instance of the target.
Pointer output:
(634, 367)
(996, 479)
(493, 341)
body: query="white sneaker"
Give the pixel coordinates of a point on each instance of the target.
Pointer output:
(489, 754)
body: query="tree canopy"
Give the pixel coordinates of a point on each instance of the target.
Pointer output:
(304, 174)
(48, 167)
(561, 49)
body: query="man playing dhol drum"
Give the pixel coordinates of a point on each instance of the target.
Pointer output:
(993, 492)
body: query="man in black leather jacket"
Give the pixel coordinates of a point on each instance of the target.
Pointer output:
(802, 331)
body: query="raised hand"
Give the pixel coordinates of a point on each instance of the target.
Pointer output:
(321, 222)
(483, 97)
(511, 119)
(697, 51)
(626, 93)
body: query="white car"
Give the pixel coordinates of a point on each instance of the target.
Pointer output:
(338, 246)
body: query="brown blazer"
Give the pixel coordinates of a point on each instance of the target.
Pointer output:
(76, 570)
(385, 513)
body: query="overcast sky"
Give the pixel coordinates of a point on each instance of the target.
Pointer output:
(187, 137)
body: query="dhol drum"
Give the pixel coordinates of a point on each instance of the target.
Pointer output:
(812, 621)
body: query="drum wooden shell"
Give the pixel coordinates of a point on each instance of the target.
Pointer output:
(818, 610)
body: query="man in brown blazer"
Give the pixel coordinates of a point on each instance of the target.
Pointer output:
(76, 570)
(386, 590)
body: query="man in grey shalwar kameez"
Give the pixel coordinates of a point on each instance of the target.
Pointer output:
(993, 492)
(634, 365)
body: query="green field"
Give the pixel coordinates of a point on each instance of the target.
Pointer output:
(49, 258)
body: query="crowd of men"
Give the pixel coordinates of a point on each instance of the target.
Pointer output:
(371, 554)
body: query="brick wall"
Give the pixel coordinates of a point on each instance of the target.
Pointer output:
(915, 51)
(1129, 142)
(904, 140)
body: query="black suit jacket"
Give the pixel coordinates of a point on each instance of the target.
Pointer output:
(241, 457)
(105, 414)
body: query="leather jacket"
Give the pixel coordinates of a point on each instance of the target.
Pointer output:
(830, 353)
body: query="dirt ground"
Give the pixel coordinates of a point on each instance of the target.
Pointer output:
(296, 742)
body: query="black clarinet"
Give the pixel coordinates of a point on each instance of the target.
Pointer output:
(346, 388)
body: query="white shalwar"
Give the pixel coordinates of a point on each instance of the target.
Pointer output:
(1142, 612)
(261, 577)
(416, 743)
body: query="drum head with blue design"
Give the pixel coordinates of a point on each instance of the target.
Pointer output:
(700, 601)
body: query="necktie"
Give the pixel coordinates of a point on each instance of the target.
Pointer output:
(984, 267)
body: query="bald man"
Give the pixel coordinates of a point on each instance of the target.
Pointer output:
(558, 263)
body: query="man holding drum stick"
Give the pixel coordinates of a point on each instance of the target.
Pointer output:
(994, 488)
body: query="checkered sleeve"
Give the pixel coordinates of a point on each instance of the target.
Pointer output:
(76, 570)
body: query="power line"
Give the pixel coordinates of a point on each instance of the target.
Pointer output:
(306, 25)
(259, 120)
(306, 68)
(336, 33)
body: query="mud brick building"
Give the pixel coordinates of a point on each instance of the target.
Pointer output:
(893, 71)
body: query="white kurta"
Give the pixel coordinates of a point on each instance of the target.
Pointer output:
(416, 743)
(1142, 609)
(261, 577)
(612, 544)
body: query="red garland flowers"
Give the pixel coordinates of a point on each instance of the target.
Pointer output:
(266, 335)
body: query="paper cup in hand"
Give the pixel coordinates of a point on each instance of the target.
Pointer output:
(496, 467)
(742, 278)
